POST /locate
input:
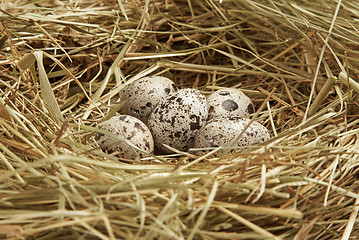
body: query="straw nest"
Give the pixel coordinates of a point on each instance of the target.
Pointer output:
(64, 63)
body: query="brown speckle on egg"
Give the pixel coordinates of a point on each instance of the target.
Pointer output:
(229, 102)
(229, 105)
(225, 131)
(250, 108)
(176, 120)
(142, 96)
(127, 128)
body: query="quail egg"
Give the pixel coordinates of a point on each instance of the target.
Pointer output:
(176, 119)
(142, 96)
(229, 102)
(224, 131)
(133, 131)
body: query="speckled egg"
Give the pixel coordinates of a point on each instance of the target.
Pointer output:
(142, 96)
(176, 119)
(224, 132)
(229, 102)
(132, 130)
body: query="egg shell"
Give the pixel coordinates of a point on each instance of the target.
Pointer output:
(176, 119)
(224, 131)
(229, 102)
(142, 96)
(131, 129)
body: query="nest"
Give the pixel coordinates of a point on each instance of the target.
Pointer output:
(64, 63)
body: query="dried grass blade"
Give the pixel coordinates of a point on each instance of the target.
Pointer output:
(304, 231)
(53, 40)
(321, 96)
(290, 213)
(335, 164)
(249, 224)
(204, 211)
(46, 90)
(351, 221)
(11, 168)
(115, 65)
(321, 59)
(344, 78)
(26, 61)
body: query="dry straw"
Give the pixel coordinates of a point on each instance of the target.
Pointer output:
(64, 63)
